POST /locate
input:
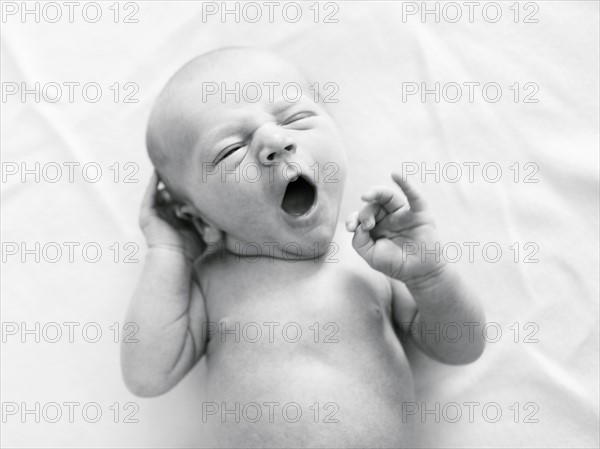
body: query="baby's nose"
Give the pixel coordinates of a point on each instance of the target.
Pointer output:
(271, 155)
(274, 147)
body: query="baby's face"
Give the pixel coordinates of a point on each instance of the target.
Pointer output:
(267, 172)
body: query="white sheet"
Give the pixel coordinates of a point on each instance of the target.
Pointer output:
(369, 54)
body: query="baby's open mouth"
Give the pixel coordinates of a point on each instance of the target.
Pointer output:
(299, 197)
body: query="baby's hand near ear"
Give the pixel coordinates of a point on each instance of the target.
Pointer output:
(158, 229)
(392, 232)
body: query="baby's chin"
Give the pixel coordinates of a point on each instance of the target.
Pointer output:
(286, 242)
(310, 241)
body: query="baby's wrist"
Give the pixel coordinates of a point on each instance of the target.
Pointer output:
(431, 279)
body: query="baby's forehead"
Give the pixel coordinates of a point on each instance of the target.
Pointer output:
(237, 83)
(241, 77)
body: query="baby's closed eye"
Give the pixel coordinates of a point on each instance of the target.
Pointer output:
(230, 150)
(298, 116)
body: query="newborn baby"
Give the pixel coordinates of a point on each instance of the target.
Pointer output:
(301, 323)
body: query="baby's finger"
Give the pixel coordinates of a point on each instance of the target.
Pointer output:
(389, 199)
(402, 217)
(415, 200)
(148, 200)
(368, 215)
(352, 221)
(363, 243)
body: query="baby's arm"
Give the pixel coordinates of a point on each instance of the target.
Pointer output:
(168, 307)
(391, 236)
(443, 320)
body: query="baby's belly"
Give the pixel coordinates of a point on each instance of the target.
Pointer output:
(307, 382)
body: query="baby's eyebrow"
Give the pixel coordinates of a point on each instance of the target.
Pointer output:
(227, 129)
(281, 104)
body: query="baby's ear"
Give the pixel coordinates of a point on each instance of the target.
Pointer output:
(209, 232)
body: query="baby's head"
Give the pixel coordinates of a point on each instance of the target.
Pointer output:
(247, 153)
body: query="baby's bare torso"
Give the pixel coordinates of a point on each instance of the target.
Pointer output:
(302, 354)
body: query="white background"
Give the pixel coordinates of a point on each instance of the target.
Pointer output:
(369, 53)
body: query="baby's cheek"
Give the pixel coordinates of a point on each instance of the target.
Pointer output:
(243, 202)
(333, 167)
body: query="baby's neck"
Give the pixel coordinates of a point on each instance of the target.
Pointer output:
(230, 247)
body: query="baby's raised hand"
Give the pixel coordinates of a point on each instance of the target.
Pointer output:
(162, 228)
(392, 233)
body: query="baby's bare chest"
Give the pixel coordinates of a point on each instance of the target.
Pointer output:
(306, 334)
